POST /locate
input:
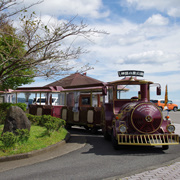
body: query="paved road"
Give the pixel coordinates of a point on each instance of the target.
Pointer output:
(96, 160)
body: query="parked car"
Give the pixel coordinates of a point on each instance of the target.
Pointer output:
(161, 105)
(42, 101)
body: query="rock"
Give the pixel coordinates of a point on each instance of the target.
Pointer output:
(16, 119)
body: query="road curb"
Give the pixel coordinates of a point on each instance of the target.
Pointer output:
(36, 152)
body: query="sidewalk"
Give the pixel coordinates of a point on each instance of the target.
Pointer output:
(168, 172)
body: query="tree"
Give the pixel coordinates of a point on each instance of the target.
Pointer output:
(44, 52)
(5, 5)
(11, 48)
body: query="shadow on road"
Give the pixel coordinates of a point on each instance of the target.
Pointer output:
(96, 144)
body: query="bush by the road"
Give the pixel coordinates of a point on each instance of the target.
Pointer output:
(9, 139)
(51, 123)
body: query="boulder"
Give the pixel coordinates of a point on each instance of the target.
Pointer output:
(16, 119)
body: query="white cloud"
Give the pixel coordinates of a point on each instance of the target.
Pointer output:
(152, 46)
(147, 57)
(171, 7)
(157, 19)
(174, 12)
(88, 8)
(154, 49)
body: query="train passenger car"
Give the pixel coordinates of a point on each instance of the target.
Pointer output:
(84, 107)
(130, 117)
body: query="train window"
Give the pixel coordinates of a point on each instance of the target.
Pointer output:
(70, 99)
(128, 92)
(94, 100)
(61, 98)
(85, 101)
(42, 100)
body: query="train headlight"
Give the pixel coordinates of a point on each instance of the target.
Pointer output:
(170, 128)
(122, 128)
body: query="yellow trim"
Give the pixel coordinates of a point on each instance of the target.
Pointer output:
(90, 125)
(120, 115)
(148, 139)
(133, 122)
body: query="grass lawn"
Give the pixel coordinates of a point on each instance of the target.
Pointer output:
(38, 139)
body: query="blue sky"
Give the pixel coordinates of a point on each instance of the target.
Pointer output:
(143, 35)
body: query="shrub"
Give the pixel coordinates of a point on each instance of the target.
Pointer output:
(45, 119)
(3, 116)
(5, 106)
(21, 105)
(35, 120)
(50, 127)
(8, 139)
(22, 135)
(51, 123)
(3, 110)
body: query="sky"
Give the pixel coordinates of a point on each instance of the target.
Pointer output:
(142, 35)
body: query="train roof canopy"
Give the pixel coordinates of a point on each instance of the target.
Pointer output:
(76, 80)
(130, 81)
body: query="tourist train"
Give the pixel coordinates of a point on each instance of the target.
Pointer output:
(122, 108)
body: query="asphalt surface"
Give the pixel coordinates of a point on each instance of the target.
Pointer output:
(64, 150)
(170, 171)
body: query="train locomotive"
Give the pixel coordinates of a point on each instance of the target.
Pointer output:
(135, 120)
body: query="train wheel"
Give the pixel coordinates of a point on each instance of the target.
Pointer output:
(165, 147)
(114, 141)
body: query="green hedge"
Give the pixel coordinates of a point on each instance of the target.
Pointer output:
(51, 123)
